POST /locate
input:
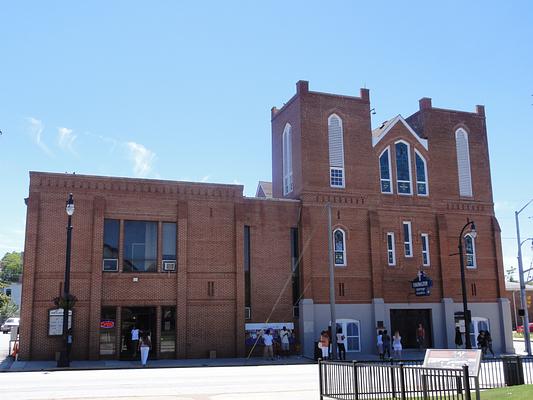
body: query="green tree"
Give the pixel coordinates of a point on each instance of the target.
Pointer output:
(11, 267)
(7, 308)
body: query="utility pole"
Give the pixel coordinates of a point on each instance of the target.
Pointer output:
(332, 289)
(523, 301)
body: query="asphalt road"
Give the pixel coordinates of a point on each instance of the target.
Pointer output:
(209, 383)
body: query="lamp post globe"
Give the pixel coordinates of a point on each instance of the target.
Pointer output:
(64, 359)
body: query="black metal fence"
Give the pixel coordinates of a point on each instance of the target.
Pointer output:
(341, 380)
(404, 379)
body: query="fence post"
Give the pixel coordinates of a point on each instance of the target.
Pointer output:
(355, 380)
(402, 382)
(466, 378)
(519, 370)
(392, 380)
(320, 378)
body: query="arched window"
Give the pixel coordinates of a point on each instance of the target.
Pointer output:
(336, 152)
(463, 163)
(403, 168)
(470, 251)
(421, 174)
(287, 160)
(385, 171)
(339, 245)
(351, 330)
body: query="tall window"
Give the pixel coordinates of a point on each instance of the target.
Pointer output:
(463, 163)
(421, 175)
(385, 171)
(425, 249)
(339, 243)
(336, 152)
(287, 160)
(169, 241)
(470, 251)
(391, 251)
(407, 240)
(111, 239)
(140, 246)
(403, 168)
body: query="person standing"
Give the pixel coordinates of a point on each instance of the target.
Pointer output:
(397, 345)
(285, 342)
(134, 341)
(386, 344)
(488, 340)
(379, 344)
(340, 344)
(458, 338)
(144, 347)
(420, 336)
(268, 341)
(324, 344)
(482, 343)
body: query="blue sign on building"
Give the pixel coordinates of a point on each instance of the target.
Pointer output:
(422, 283)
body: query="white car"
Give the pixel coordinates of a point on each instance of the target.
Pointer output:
(10, 323)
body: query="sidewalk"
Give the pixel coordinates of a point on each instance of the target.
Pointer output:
(27, 366)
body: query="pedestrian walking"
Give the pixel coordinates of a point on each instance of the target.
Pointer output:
(134, 341)
(386, 344)
(145, 345)
(488, 339)
(397, 345)
(379, 344)
(458, 338)
(268, 341)
(323, 344)
(340, 344)
(420, 336)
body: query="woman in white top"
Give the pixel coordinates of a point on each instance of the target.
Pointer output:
(397, 345)
(379, 343)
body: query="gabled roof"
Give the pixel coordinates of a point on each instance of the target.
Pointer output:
(379, 133)
(264, 189)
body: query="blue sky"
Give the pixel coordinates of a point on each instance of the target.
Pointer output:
(183, 91)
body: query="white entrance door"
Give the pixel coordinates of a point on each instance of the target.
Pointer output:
(477, 325)
(352, 334)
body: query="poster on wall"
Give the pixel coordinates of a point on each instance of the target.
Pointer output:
(55, 321)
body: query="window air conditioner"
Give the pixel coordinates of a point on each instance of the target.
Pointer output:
(247, 313)
(110, 265)
(169, 265)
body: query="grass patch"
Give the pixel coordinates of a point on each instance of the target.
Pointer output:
(521, 392)
(517, 335)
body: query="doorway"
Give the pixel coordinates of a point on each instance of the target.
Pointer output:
(406, 322)
(144, 318)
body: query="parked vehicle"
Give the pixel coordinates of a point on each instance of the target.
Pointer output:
(10, 323)
(520, 329)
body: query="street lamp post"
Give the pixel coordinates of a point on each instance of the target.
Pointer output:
(468, 342)
(64, 359)
(523, 301)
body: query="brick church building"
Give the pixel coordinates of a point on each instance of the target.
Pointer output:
(200, 266)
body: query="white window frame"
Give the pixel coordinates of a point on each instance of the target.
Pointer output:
(343, 248)
(425, 240)
(410, 239)
(473, 251)
(465, 185)
(331, 169)
(408, 166)
(391, 250)
(390, 171)
(337, 166)
(426, 182)
(288, 184)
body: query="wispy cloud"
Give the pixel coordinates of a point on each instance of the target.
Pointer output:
(142, 159)
(66, 139)
(36, 131)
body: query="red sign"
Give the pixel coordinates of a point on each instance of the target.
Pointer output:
(107, 324)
